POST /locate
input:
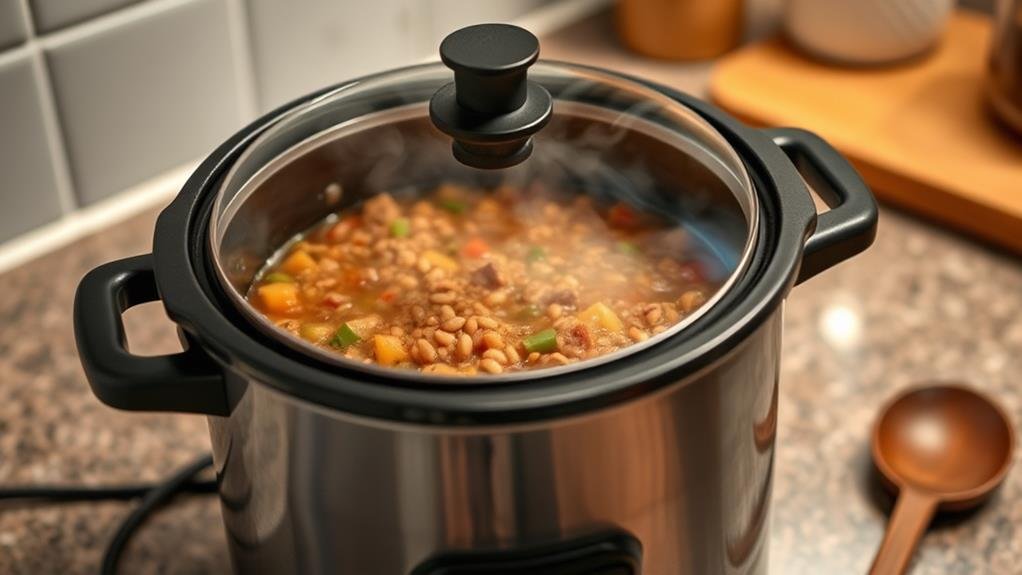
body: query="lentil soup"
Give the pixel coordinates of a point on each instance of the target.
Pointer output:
(466, 280)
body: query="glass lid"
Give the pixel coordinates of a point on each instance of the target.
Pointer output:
(356, 231)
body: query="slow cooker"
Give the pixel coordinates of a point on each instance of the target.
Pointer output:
(657, 459)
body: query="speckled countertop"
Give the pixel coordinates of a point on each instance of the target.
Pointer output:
(922, 304)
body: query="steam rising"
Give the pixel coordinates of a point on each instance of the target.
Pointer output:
(613, 156)
(603, 140)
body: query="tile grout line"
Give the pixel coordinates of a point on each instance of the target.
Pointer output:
(108, 21)
(94, 217)
(61, 166)
(34, 48)
(75, 220)
(82, 221)
(242, 54)
(54, 135)
(26, 20)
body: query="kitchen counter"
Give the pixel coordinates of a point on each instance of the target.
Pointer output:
(922, 304)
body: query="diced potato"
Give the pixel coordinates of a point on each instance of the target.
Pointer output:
(363, 325)
(389, 350)
(280, 298)
(316, 332)
(600, 315)
(298, 262)
(440, 260)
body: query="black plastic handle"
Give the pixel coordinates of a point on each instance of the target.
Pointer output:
(189, 381)
(851, 224)
(491, 109)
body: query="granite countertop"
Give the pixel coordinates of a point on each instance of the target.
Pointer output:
(922, 304)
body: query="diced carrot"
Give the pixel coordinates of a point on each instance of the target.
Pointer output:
(440, 260)
(622, 216)
(388, 296)
(389, 350)
(599, 314)
(298, 262)
(281, 298)
(475, 248)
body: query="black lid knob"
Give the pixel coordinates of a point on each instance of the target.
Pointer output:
(492, 109)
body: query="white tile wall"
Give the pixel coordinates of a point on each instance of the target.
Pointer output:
(300, 46)
(446, 16)
(12, 27)
(49, 15)
(98, 95)
(28, 192)
(137, 99)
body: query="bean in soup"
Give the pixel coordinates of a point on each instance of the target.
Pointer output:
(468, 281)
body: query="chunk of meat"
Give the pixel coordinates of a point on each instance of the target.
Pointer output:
(488, 276)
(581, 336)
(564, 297)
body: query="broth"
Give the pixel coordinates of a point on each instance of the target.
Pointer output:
(469, 281)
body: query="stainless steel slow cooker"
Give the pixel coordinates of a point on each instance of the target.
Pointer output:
(657, 459)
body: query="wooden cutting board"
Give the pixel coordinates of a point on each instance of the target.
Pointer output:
(919, 132)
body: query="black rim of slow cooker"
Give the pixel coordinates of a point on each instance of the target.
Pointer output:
(194, 299)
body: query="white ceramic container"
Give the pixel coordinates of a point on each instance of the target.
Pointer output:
(866, 32)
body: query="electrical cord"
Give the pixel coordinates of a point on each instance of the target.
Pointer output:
(69, 493)
(153, 500)
(154, 496)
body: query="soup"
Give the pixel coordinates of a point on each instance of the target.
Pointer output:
(482, 281)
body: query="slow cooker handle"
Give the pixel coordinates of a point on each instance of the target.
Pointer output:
(189, 381)
(850, 225)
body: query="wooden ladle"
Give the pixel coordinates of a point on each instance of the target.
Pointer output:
(940, 447)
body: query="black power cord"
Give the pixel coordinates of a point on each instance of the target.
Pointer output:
(152, 501)
(154, 496)
(71, 493)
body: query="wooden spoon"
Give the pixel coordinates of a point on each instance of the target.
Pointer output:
(940, 447)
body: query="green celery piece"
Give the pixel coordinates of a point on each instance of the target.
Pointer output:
(627, 248)
(400, 227)
(542, 341)
(454, 206)
(345, 336)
